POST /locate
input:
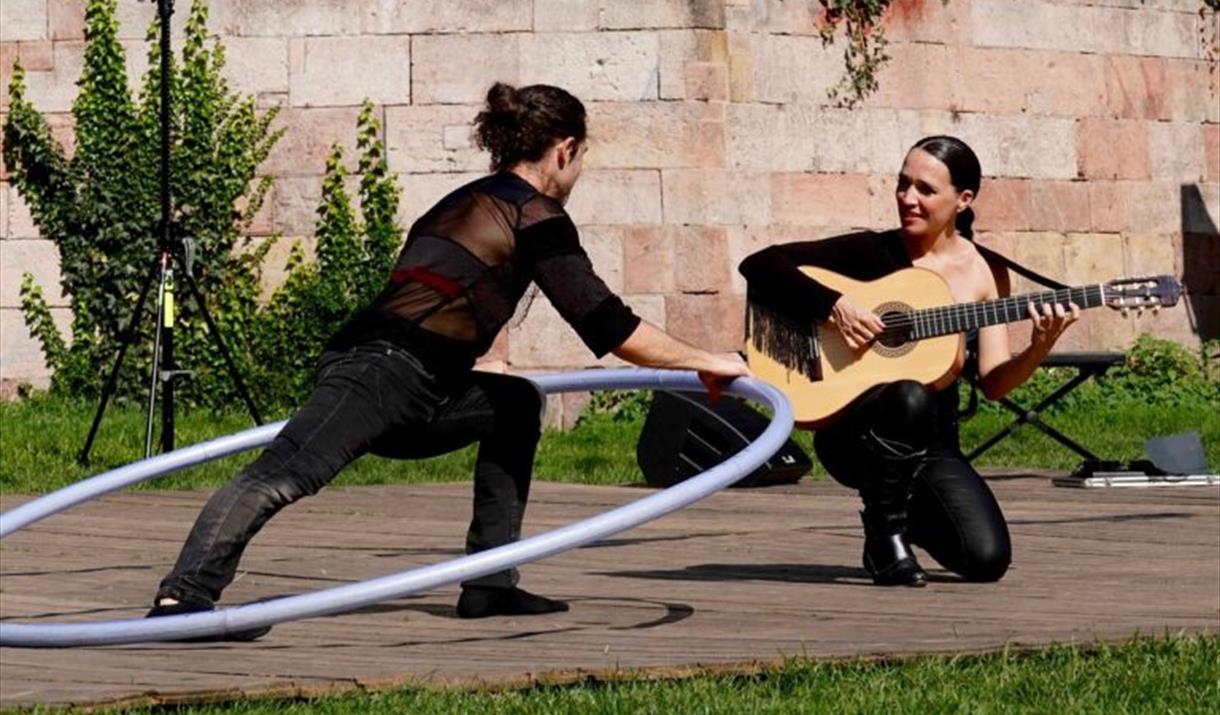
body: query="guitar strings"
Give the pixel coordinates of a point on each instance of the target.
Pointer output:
(944, 316)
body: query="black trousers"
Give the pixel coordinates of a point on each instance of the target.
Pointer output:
(378, 399)
(950, 511)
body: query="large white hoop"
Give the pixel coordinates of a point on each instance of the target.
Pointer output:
(358, 595)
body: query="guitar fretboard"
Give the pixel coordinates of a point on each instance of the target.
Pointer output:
(964, 317)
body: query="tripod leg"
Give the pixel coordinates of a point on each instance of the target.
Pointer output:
(125, 340)
(156, 363)
(224, 351)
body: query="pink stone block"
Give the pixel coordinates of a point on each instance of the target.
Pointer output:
(1003, 205)
(1109, 206)
(701, 262)
(617, 196)
(594, 66)
(36, 56)
(1152, 254)
(1211, 150)
(1092, 258)
(1156, 206)
(294, 204)
(1193, 91)
(914, 78)
(23, 20)
(539, 338)
(21, 358)
(1059, 206)
(308, 137)
(648, 260)
(604, 246)
(1042, 252)
(1113, 149)
(487, 59)
(820, 199)
(1138, 87)
(662, 13)
(628, 135)
(712, 321)
(712, 197)
(38, 257)
(927, 21)
(343, 71)
(707, 80)
(66, 19)
(18, 219)
(433, 138)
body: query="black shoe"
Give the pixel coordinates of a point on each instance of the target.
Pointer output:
(889, 560)
(196, 605)
(481, 602)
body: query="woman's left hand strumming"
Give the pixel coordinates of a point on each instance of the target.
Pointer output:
(1050, 323)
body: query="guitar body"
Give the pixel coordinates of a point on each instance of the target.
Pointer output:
(846, 373)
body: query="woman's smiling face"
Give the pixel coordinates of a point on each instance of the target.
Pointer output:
(928, 202)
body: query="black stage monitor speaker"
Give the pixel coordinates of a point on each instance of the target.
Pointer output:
(684, 436)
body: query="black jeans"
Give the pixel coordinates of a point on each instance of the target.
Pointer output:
(950, 511)
(377, 399)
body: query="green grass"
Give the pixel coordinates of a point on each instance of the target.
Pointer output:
(39, 440)
(1151, 675)
(1117, 432)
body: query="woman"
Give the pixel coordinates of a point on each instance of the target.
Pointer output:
(397, 380)
(897, 443)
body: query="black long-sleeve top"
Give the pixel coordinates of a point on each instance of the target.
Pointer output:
(466, 264)
(785, 303)
(776, 283)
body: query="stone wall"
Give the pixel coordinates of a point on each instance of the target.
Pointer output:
(1096, 122)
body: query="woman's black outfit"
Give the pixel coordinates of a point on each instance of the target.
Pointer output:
(396, 381)
(898, 443)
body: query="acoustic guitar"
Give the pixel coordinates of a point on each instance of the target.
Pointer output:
(922, 339)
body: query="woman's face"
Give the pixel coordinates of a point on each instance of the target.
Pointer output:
(928, 202)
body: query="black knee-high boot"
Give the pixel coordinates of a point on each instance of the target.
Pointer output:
(896, 445)
(887, 554)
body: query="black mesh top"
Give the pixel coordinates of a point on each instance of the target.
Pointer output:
(466, 264)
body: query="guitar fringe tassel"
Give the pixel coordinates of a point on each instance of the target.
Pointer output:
(790, 343)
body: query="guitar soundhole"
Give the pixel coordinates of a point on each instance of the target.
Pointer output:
(895, 341)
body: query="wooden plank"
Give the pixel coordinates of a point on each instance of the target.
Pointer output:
(742, 577)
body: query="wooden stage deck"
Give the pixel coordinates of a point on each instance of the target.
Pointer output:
(743, 577)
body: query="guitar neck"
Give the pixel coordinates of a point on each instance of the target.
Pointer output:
(964, 317)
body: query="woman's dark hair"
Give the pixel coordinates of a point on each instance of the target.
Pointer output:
(964, 171)
(520, 124)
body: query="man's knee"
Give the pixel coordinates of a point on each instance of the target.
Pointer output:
(275, 488)
(522, 406)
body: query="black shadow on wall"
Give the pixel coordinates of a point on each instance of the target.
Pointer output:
(1200, 263)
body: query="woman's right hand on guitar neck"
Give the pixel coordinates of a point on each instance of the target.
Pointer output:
(857, 325)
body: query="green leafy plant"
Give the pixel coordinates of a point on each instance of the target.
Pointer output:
(101, 205)
(861, 23)
(1157, 372)
(354, 257)
(616, 405)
